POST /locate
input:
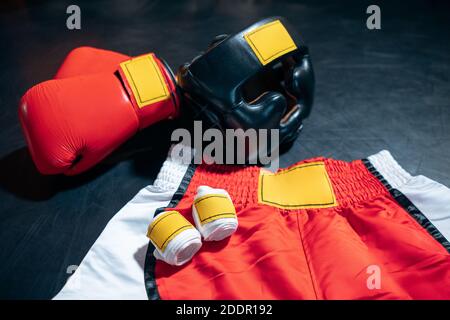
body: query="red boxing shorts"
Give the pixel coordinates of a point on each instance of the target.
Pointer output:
(320, 229)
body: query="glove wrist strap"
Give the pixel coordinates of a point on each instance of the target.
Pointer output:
(149, 87)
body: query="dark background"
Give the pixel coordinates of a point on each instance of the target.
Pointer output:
(381, 89)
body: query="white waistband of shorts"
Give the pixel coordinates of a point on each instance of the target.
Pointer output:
(389, 168)
(174, 168)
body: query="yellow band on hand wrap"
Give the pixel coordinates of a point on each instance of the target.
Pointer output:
(211, 207)
(165, 227)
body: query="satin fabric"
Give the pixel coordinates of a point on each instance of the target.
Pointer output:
(328, 253)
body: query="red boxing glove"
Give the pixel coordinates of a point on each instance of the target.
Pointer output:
(87, 60)
(98, 100)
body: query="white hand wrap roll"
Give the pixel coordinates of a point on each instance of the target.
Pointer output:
(175, 238)
(214, 213)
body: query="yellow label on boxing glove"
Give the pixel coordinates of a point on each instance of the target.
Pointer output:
(165, 227)
(145, 80)
(303, 186)
(211, 207)
(270, 41)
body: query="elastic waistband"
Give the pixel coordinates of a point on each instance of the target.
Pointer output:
(352, 182)
(389, 168)
(173, 170)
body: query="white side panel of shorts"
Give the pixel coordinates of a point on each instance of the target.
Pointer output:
(114, 266)
(430, 197)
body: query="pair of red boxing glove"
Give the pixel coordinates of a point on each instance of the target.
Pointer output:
(97, 100)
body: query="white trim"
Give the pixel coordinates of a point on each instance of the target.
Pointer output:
(430, 197)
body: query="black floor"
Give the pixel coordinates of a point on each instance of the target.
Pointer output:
(384, 89)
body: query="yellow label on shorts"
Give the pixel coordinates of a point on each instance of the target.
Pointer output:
(165, 227)
(211, 207)
(270, 41)
(145, 80)
(303, 186)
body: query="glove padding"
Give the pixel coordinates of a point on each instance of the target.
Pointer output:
(92, 106)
